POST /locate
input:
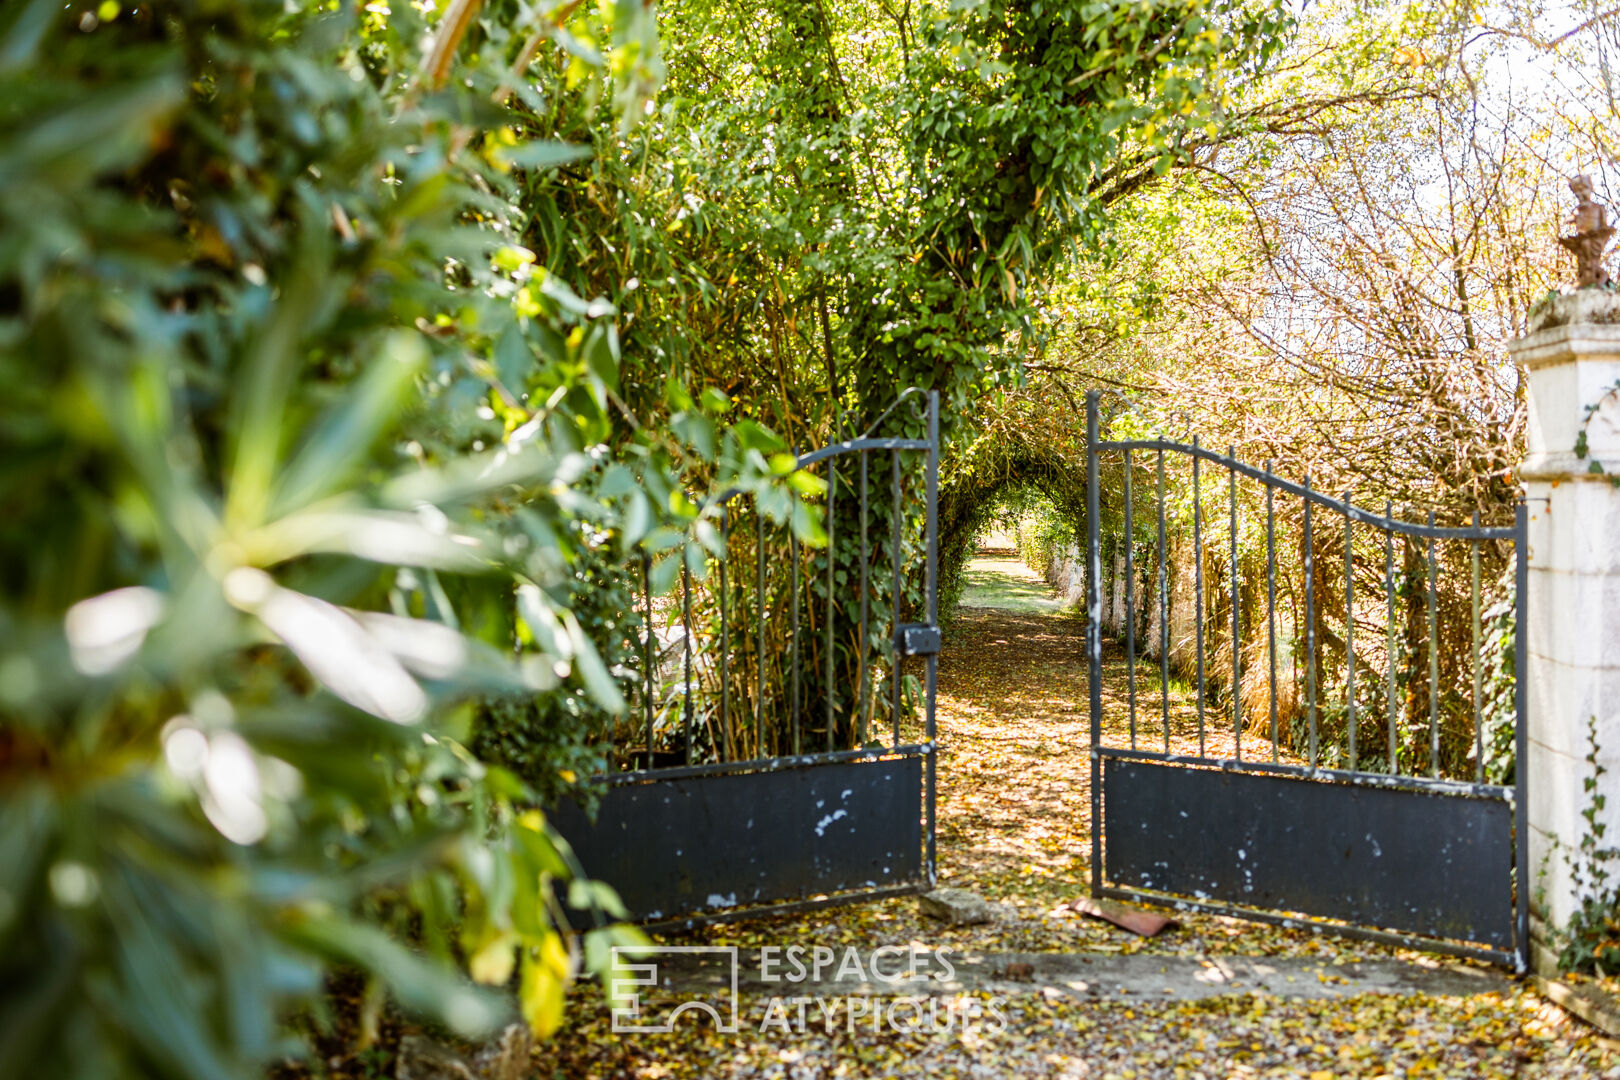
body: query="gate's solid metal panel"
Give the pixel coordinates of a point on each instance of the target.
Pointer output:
(1433, 864)
(708, 843)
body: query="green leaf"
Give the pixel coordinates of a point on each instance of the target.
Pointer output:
(473, 476)
(382, 536)
(585, 895)
(751, 435)
(807, 483)
(542, 154)
(807, 524)
(101, 131)
(697, 431)
(259, 416)
(22, 26)
(420, 985)
(602, 687)
(665, 572)
(638, 518)
(328, 458)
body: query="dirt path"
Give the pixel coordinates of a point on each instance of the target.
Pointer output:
(1015, 780)
(1014, 826)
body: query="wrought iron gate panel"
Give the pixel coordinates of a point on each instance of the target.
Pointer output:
(735, 840)
(1437, 862)
(700, 833)
(1421, 862)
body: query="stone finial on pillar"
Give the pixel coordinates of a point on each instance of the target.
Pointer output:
(1571, 357)
(1591, 236)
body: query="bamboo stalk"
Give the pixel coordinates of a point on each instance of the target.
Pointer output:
(445, 43)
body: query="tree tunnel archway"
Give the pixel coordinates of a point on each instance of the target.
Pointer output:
(983, 477)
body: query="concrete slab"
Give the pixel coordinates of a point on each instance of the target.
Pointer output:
(1100, 976)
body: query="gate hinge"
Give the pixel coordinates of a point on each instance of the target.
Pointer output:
(917, 639)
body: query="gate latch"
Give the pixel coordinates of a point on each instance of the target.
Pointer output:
(917, 639)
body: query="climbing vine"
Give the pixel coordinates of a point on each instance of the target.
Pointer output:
(1595, 466)
(1592, 939)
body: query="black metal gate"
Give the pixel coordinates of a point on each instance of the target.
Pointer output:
(1347, 837)
(702, 832)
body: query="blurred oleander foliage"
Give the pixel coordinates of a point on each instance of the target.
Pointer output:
(301, 452)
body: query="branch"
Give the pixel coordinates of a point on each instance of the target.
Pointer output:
(451, 30)
(1052, 370)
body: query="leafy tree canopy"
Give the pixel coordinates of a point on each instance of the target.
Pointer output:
(354, 357)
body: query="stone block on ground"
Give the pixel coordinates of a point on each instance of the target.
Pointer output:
(959, 907)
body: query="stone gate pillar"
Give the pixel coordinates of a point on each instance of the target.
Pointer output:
(1572, 359)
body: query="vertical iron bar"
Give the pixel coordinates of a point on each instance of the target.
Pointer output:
(1310, 625)
(725, 639)
(1130, 604)
(1094, 628)
(1237, 642)
(1479, 726)
(1350, 626)
(1521, 738)
(862, 642)
(894, 624)
(1198, 591)
(1434, 664)
(932, 665)
(832, 570)
(1164, 615)
(647, 655)
(793, 690)
(1271, 601)
(686, 637)
(759, 657)
(1389, 599)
